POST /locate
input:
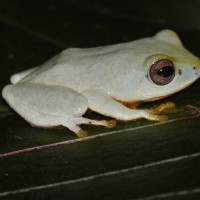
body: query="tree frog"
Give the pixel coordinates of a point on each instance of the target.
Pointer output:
(111, 80)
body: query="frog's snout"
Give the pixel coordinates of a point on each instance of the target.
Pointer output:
(195, 64)
(197, 70)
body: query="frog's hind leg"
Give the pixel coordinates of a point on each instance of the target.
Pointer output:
(51, 106)
(74, 126)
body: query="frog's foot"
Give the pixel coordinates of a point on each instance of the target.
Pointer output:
(81, 133)
(153, 114)
(108, 124)
(74, 128)
(153, 117)
(74, 123)
(160, 108)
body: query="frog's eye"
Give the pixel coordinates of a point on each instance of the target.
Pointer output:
(162, 72)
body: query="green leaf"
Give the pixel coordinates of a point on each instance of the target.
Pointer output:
(135, 160)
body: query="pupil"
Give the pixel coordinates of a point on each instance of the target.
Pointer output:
(165, 71)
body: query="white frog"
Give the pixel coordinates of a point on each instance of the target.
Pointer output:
(110, 80)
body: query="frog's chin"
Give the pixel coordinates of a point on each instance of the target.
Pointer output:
(171, 93)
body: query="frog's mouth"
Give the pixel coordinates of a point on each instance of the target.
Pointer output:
(165, 96)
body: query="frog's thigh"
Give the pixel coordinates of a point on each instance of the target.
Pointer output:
(35, 101)
(102, 103)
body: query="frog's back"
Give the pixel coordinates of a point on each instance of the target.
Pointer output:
(107, 67)
(85, 68)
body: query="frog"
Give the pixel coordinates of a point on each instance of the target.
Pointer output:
(111, 80)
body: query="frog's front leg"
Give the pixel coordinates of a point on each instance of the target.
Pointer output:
(50, 106)
(102, 103)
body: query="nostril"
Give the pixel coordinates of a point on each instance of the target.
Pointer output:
(197, 70)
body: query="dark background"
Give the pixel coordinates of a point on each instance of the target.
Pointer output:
(135, 160)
